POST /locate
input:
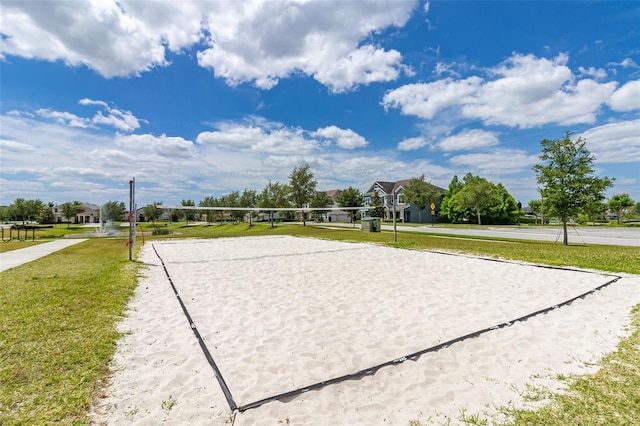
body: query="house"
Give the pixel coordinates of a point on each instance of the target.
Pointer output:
(90, 214)
(404, 211)
(336, 215)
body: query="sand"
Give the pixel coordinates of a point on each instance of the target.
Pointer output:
(282, 313)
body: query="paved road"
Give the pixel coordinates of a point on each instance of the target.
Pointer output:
(577, 235)
(13, 258)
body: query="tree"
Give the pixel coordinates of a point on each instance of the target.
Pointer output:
(506, 209)
(5, 213)
(152, 212)
(303, 187)
(377, 209)
(232, 199)
(18, 210)
(320, 200)
(351, 197)
(478, 194)
(46, 215)
(249, 198)
(113, 210)
(594, 210)
(566, 178)
(188, 214)
(70, 210)
(536, 207)
(24, 210)
(448, 208)
(621, 204)
(210, 201)
(274, 195)
(420, 193)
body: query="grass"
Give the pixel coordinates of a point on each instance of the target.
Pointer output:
(609, 397)
(57, 334)
(15, 245)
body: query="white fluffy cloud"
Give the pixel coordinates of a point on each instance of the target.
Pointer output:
(262, 42)
(523, 91)
(96, 33)
(265, 136)
(65, 118)
(498, 163)
(411, 144)
(627, 97)
(615, 142)
(425, 100)
(119, 119)
(257, 41)
(259, 137)
(164, 146)
(344, 138)
(64, 161)
(468, 140)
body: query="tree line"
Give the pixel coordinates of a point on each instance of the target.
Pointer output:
(22, 210)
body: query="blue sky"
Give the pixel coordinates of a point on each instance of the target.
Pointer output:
(198, 99)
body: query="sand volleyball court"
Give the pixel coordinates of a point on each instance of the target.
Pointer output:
(279, 314)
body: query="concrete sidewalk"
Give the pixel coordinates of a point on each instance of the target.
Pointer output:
(13, 258)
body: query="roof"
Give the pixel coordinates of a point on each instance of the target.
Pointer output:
(334, 193)
(389, 187)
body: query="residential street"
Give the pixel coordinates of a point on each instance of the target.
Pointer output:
(577, 235)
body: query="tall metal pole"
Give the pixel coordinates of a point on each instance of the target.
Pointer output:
(395, 232)
(132, 216)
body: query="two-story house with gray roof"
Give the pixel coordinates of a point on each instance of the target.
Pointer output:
(392, 199)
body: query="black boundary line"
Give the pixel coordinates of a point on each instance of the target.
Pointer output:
(413, 356)
(203, 346)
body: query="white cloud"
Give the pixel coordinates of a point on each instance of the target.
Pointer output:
(523, 91)
(530, 91)
(411, 144)
(7, 145)
(469, 139)
(344, 138)
(259, 137)
(442, 68)
(425, 100)
(615, 142)
(627, 97)
(257, 41)
(500, 162)
(121, 120)
(262, 42)
(625, 63)
(97, 33)
(163, 145)
(65, 118)
(597, 73)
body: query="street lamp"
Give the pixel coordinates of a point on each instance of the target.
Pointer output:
(519, 207)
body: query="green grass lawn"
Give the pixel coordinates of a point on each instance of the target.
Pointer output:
(57, 331)
(15, 245)
(58, 316)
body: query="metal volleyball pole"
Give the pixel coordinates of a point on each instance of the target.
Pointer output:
(395, 232)
(132, 216)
